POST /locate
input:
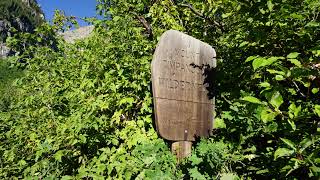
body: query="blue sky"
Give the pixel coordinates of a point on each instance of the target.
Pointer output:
(78, 8)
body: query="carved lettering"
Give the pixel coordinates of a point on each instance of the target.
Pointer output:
(181, 84)
(182, 67)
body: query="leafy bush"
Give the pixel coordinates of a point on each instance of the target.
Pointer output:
(7, 90)
(84, 110)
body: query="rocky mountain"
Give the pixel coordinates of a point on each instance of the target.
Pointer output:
(80, 33)
(23, 15)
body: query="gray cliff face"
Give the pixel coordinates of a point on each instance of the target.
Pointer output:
(28, 2)
(80, 33)
(23, 15)
(69, 36)
(4, 51)
(28, 19)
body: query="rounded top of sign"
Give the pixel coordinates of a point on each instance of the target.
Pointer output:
(174, 38)
(174, 34)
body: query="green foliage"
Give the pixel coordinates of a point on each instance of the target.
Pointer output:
(84, 110)
(7, 77)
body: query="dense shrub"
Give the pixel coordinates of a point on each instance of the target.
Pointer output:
(7, 76)
(84, 110)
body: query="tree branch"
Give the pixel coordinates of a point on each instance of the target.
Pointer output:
(146, 25)
(199, 14)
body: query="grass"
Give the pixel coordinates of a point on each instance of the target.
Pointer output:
(7, 77)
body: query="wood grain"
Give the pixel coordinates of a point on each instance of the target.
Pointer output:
(181, 149)
(183, 110)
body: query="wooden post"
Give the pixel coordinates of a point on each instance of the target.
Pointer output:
(183, 109)
(181, 149)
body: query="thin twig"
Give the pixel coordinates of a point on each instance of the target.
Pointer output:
(199, 14)
(298, 89)
(146, 25)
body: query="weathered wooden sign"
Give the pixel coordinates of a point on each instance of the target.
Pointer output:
(183, 110)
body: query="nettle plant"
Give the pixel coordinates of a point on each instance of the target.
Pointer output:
(287, 105)
(84, 109)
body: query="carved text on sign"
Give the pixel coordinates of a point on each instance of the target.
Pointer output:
(183, 67)
(181, 84)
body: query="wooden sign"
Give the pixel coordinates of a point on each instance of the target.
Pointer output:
(183, 110)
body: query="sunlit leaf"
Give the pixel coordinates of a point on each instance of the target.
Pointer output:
(289, 143)
(282, 152)
(317, 109)
(252, 99)
(293, 55)
(295, 62)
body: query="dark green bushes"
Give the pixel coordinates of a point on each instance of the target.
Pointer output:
(7, 77)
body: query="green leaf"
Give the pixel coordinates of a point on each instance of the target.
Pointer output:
(116, 18)
(305, 144)
(262, 11)
(229, 176)
(289, 143)
(292, 124)
(195, 160)
(263, 171)
(270, 5)
(22, 162)
(265, 84)
(293, 55)
(272, 71)
(317, 160)
(250, 20)
(276, 99)
(128, 100)
(243, 43)
(219, 123)
(282, 152)
(272, 60)
(267, 115)
(317, 109)
(58, 155)
(280, 78)
(252, 99)
(313, 24)
(315, 90)
(195, 174)
(258, 62)
(66, 177)
(315, 169)
(294, 110)
(226, 15)
(295, 62)
(272, 127)
(262, 62)
(306, 84)
(251, 58)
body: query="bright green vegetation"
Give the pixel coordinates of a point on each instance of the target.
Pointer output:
(84, 110)
(7, 77)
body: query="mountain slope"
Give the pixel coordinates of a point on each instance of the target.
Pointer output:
(23, 15)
